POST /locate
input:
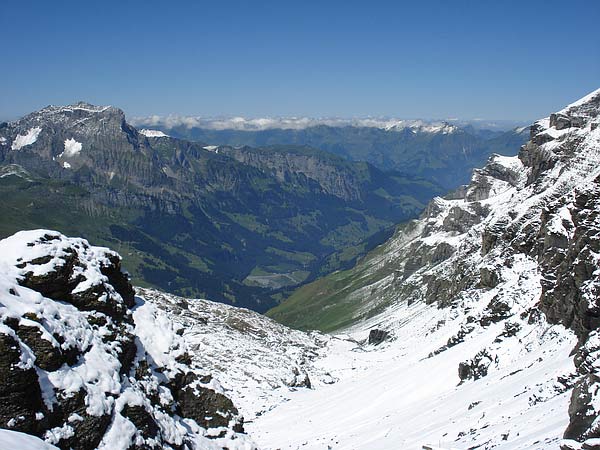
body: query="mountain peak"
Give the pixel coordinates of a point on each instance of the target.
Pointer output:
(79, 108)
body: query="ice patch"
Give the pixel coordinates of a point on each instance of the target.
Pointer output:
(27, 139)
(66, 165)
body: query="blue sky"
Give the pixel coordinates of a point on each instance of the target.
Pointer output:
(428, 59)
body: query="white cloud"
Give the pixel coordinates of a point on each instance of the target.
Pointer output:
(300, 123)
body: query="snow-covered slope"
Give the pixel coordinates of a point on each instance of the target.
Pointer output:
(482, 301)
(258, 362)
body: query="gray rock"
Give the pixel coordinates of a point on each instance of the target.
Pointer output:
(20, 394)
(560, 121)
(489, 277)
(475, 368)
(581, 412)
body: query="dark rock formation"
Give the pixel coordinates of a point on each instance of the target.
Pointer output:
(20, 394)
(475, 368)
(376, 336)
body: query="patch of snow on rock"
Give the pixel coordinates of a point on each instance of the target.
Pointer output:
(153, 133)
(27, 139)
(72, 148)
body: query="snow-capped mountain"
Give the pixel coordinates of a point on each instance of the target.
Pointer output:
(484, 300)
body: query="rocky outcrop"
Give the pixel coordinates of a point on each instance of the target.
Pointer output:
(475, 368)
(85, 365)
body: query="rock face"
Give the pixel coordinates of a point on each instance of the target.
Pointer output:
(518, 247)
(84, 364)
(333, 175)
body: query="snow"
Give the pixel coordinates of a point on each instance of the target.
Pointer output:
(82, 106)
(13, 440)
(27, 139)
(406, 393)
(153, 133)
(510, 162)
(162, 347)
(66, 165)
(55, 435)
(15, 248)
(396, 397)
(520, 130)
(72, 148)
(14, 170)
(212, 148)
(420, 126)
(253, 358)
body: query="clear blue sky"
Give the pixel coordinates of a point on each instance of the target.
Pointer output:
(430, 59)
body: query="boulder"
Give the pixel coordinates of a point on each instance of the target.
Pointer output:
(376, 336)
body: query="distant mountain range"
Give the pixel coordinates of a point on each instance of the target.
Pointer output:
(440, 151)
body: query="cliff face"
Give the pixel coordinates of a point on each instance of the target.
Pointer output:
(438, 152)
(333, 175)
(518, 245)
